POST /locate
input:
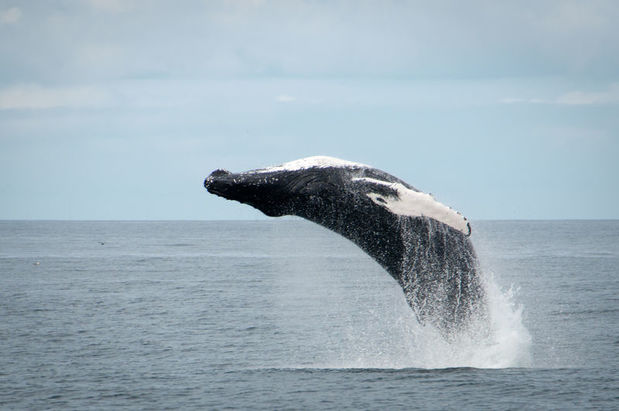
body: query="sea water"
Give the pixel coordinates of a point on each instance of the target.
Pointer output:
(284, 314)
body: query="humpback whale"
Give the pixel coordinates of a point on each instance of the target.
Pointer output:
(423, 244)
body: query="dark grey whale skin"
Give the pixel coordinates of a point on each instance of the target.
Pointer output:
(435, 264)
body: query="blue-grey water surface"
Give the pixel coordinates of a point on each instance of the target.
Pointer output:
(285, 314)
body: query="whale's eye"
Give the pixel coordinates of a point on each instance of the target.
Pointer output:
(381, 200)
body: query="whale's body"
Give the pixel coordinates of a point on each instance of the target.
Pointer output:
(423, 244)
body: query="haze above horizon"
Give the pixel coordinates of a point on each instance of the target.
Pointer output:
(118, 110)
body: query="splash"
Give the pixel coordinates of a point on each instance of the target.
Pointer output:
(498, 339)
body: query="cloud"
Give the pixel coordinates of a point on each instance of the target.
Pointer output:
(111, 6)
(609, 96)
(573, 98)
(566, 136)
(284, 98)
(342, 39)
(10, 16)
(515, 100)
(37, 97)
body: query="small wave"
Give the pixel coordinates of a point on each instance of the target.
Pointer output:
(447, 370)
(586, 312)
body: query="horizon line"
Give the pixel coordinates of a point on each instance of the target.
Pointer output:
(283, 218)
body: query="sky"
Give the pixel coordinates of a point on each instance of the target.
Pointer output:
(118, 109)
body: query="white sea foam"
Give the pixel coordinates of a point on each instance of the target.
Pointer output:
(392, 338)
(498, 341)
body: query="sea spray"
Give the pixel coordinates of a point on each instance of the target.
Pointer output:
(393, 338)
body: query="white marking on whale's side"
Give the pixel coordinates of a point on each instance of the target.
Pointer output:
(310, 162)
(417, 204)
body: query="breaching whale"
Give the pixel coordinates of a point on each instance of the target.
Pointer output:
(423, 244)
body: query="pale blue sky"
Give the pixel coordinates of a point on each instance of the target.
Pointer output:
(119, 109)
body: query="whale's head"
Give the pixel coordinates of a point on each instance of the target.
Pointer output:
(284, 189)
(270, 192)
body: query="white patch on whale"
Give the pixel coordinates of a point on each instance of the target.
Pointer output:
(417, 204)
(311, 162)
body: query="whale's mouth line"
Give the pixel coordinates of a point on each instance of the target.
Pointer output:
(216, 192)
(219, 193)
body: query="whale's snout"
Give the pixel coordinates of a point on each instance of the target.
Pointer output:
(217, 182)
(214, 177)
(219, 172)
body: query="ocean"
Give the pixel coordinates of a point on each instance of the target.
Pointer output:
(283, 314)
